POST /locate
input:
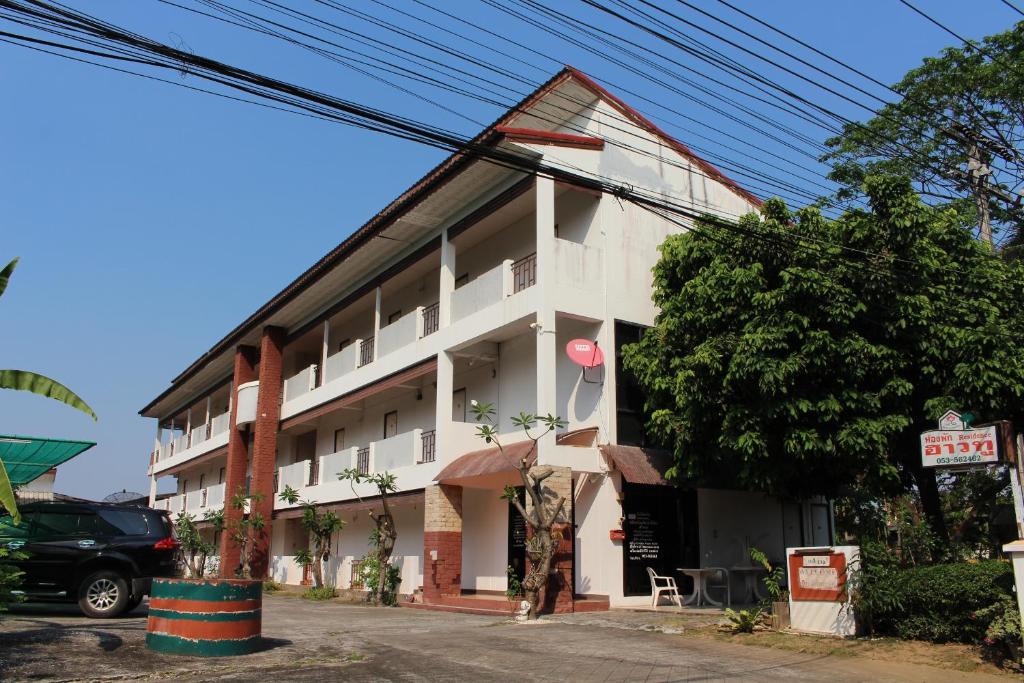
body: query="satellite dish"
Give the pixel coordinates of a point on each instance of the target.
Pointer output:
(585, 353)
(123, 496)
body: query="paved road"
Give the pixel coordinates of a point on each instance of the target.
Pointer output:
(323, 642)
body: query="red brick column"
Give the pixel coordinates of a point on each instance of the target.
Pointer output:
(238, 459)
(442, 541)
(264, 445)
(557, 597)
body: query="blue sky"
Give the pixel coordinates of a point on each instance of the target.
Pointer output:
(151, 220)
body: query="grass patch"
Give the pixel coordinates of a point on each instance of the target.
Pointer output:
(321, 593)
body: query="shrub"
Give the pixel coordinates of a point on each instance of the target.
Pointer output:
(321, 593)
(370, 574)
(271, 586)
(10, 577)
(1002, 637)
(939, 603)
(745, 620)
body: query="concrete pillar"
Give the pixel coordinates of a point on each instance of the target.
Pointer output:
(447, 284)
(443, 447)
(237, 461)
(209, 405)
(264, 444)
(442, 541)
(545, 330)
(324, 352)
(376, 322)
(152, 490)
(558, 594)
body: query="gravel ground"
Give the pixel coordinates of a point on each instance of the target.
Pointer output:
(317, 641)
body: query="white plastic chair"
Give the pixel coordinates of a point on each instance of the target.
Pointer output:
(663, 584)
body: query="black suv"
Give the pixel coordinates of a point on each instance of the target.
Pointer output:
(101, 555)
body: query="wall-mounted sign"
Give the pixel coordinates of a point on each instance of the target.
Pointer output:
(818, 577)
(585, 353)
(954, 444)
(952, 420)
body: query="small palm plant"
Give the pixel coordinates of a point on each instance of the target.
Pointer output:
(23, 380)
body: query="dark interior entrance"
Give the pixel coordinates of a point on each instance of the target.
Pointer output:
(517, 536)
(661, 533)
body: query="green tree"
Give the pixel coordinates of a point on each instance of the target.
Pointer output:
(546, 509)
(23, 380)
(967, 103)
(321, 527)
(245, 532)
(383, 589)
(194, 549)
(801, 366)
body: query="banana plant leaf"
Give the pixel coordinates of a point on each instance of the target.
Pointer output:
(7, 499)
(5, 275)
(23, 380)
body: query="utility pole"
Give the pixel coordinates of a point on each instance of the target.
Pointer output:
(979, 171)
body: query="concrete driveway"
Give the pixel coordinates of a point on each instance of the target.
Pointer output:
(328, 641)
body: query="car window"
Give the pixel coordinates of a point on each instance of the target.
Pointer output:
(90, 523)
(9, 530)
(127, 522)
(56, 523)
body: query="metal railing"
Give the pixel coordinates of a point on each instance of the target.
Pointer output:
(524, 272)
(363, 460)
(314, 472)
(431, 318)
(366, 352)
(428, 454)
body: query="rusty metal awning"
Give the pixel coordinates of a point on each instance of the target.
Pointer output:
(395, 500)
(639, 465)
(486, 462)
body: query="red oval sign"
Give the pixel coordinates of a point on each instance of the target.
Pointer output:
(584, 352)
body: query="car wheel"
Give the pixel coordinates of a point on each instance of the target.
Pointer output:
(103, 594)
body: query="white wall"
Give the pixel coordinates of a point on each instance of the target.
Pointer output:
(578, 402)
(598, 558)
(352, 543)
(517, 391)
(484, 540)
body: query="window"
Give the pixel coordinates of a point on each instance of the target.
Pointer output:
(343, 343)
(629, 397)
(461, 280)
(220, 476)
(56, 523)
(394, 316)
(202, 481)
(339, 440)
(127, 522)
(184, 485)
(9, 530)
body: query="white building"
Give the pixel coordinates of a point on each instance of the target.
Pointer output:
(468, 287)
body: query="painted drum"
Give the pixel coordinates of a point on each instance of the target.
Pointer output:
(207, 618)
(585, 353)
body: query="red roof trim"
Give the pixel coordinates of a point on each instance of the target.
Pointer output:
(547, 137)
(644, 122)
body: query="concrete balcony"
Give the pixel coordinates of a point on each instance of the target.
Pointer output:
(402, 332)
(410, 456)
(200, 441)
(486, 290)
(195, 503)
(343, 362)
(301, 383)
(246, 396)
(579, 278)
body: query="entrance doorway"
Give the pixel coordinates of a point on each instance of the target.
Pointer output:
(459, 405)
(661, 533)
(391, 424)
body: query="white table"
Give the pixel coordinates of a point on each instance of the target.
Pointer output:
(751, 582)
(700, 597)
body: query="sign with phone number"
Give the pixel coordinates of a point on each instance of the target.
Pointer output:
(950, 448)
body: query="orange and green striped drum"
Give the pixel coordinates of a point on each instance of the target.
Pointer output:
(208, 618)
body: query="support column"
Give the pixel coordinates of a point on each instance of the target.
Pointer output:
(442, 541)
(376, 322)
(152, 490)
(238, 459)
(447, 283)
(264, 444)
(546, 343)
(443, 407)
(324, 352)
(558, 594)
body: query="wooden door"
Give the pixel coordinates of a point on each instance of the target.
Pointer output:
(459, 405)
(391, 424)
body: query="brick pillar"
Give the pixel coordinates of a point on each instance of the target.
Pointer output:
(238, 459)
(264, 444)
(442, 541)
(558, 594)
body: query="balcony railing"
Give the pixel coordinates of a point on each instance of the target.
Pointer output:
(343, 361)
(295, 475)
(363, 460)
(524, 273)
(366, 352)
(431, 319)
(400, 333)
(428, 440)
(197, 436)
(301, 383)
(314, 472)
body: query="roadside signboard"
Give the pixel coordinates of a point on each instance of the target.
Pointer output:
(958, 447)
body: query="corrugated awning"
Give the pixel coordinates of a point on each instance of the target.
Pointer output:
(486, 462)
(29, 457)
(395, 500)
(639, 465)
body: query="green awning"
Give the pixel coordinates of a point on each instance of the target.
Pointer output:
(29, 457)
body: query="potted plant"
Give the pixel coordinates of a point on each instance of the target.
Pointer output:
(210, 616)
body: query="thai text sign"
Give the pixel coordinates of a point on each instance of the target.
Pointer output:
(819, 577)
(950, 448)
